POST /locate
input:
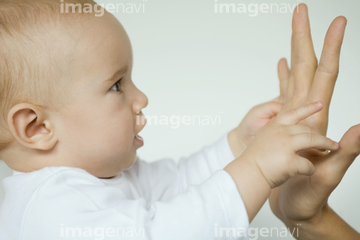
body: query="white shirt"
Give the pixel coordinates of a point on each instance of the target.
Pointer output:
(194, 199)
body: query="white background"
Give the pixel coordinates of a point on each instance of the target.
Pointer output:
(190, 61)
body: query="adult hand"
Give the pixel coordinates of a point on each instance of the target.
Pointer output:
(307, 81)
(303, 199)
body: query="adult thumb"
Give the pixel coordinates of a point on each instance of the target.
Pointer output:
(340, 160)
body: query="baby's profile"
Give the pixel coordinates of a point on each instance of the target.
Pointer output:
(69, 131)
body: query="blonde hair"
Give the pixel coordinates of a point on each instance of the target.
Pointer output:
(29, 65)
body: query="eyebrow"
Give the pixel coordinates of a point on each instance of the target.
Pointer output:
(122, 70)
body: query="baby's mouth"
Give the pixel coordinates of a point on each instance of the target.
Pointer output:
(139, 139)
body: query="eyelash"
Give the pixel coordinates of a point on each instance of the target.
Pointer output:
(118, 82)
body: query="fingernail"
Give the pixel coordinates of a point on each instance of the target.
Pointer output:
(319, 103)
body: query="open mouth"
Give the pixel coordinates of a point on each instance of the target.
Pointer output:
(139, 139)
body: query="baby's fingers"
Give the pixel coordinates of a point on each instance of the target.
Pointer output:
(305, 141)
(296, 115)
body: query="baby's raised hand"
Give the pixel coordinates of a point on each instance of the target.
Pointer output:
(272, 156)
(258, 116)
(275, 147)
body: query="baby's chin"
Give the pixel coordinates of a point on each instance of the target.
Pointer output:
(111, 173)
(131, 163)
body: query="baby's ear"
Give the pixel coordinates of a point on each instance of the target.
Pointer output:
(30, 127)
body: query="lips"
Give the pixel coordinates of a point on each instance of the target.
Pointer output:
(139, 137)
(139, 140)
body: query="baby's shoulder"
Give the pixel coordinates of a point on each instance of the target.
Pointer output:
(50, 177)
(56, 185)
(52, 196)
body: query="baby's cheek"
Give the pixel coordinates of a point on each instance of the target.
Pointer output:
(123, 137)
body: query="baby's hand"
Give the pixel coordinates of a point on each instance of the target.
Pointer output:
(241, 136)
(274, 149)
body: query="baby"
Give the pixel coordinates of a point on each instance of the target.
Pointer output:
(69, 131)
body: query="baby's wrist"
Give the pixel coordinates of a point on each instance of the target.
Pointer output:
(262, 173)
(253, 168)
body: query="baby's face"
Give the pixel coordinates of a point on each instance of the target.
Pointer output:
(97, 132)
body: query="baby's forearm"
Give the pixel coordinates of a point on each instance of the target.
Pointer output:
(251, 184)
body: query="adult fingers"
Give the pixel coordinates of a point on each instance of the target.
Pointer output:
(303, 59)
(284, 78)
(300, 113)
(327, 71)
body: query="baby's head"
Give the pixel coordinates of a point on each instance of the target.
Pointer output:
(66, 93)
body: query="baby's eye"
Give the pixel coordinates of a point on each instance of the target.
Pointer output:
(117, 87)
